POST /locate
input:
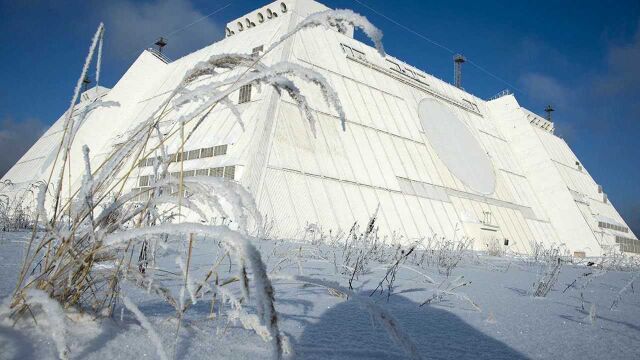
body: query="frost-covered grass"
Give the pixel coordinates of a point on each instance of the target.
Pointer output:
(81, 255)
(322, 318)
(14, 212)
(103, 275)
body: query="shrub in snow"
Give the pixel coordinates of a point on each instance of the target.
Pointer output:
(626, 287)
(450, 253)
(390, 276)
(494, 248)
(14, 214)
(617, 260)
(448, 289)
(544, 285)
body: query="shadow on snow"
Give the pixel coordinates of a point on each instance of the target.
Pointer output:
(346, 332)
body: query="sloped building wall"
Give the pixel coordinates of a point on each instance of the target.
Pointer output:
(336, 177)
(576, 205)
(518, 187)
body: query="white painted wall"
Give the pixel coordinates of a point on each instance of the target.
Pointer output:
(384, 158)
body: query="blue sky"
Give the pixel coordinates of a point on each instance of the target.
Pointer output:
(582, 57)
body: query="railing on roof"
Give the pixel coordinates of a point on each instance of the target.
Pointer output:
(415, 83)
(502, 93)
(159, 55)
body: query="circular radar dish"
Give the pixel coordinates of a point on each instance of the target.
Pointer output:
(456, 146)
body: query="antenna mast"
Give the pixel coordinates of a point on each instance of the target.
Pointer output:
(162, 42)
(458, 60)
(549, 110)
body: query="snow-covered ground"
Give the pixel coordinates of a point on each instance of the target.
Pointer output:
(323, 324)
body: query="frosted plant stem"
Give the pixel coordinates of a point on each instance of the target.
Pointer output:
(99, 60)
(144, 322)
(181, 186)
(67, 136)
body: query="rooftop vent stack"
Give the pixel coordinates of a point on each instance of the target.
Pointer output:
(162, 42)
(549, 110)
(458, 60)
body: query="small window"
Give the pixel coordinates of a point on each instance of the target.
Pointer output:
(240, 26)
(220, 150)
(230, 172)
(269, 13)
(206, 152)
(202, 172)
(283, 7)
(216, 172)
(245, 94)
(144, 181)
(506, 242)
(257, 50)
(193, 154)
(260, 17)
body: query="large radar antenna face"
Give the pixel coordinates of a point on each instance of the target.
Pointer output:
(456, 146)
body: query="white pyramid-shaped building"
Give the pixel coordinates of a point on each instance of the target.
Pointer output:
(437, 160)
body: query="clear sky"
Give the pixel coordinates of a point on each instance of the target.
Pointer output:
(581, 57)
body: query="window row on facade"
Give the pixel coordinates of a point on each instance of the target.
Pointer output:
(188, 155)
(606, 225)
(628, 244)
(228, 172)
